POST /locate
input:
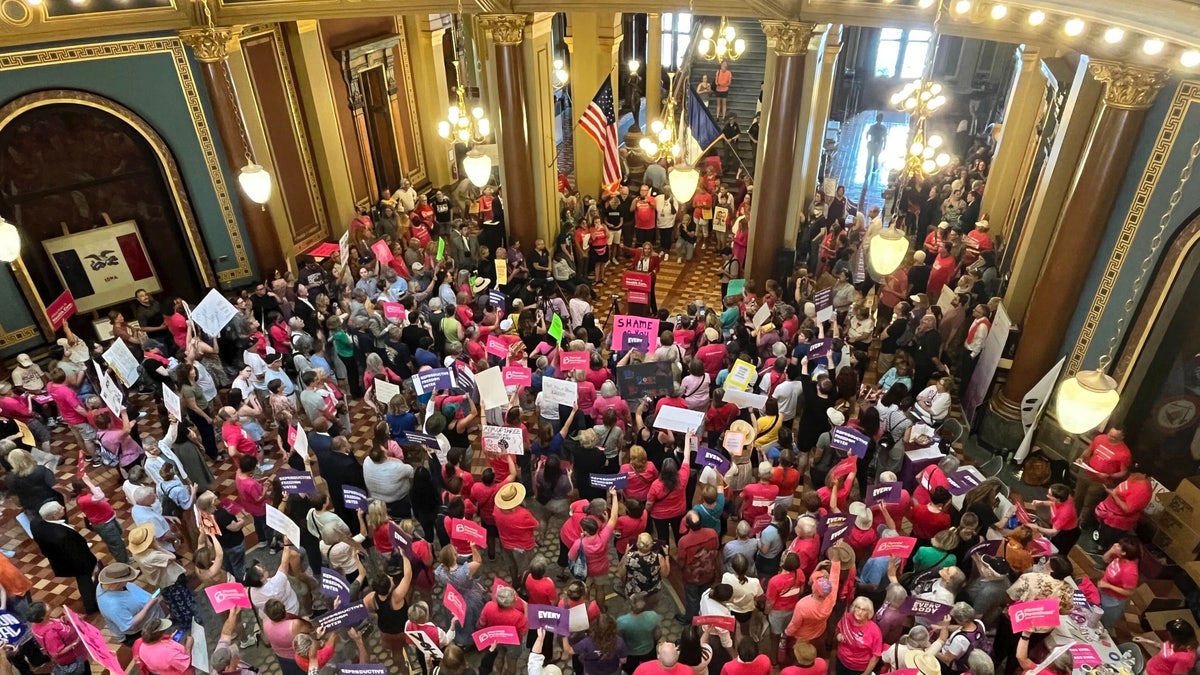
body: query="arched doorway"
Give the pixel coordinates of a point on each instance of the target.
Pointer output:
(74, 162)
(1160, 364)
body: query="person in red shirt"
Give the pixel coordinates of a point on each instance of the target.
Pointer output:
(1177, 654)
(929, 519)
(101, 517)
(942, 271)
(698, 555)
(977, 240)
(1063, 530)
(238, 443)
(541, 591)
(898, 510)
(749, 661)
(630, 524)
(593, 544)
(712, 353)
(645, 215)
(933, 476)
(1119, 513)
(807, 662)
(667, 662)
(758, 498)
(502, 610)
(1119, 580)
(666, 501)
(1104, 464)
(863, 536)
(783, 592)
(719, 416)
(516, 526)
(483, 494)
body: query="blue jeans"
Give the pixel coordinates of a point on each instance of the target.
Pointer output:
(691, 600)
(235, 561)
(1113, 609)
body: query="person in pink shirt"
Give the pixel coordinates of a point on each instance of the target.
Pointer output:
(1063, 530)
(1119, 513)
(1105, 463)
(933, 476)
(1119, 580)
(156, 652)
(712, 354)
(807, 662)
(72, 411)
(812, 611)
(748, 661)
(666, 501)
(806, 545)
(860, 642)
(758, 498)
(253, 495)
(58, 639)
(597, 374)
(593, 544)
(1176, 654)
(586, 396)
(640, 474)
(516, 526)
(630, 524)
(503, 610)
(610, 400)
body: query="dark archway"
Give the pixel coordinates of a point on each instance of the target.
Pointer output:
(70, 159)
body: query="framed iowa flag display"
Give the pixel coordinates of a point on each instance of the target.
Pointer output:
(102, 266)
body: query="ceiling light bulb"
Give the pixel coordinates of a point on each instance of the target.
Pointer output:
(33, 3)
(558, 64)
(1074, 27)
(477, 112)
(443, 129)
(999, 12)
(647, 146)
(925, 4)
(1114, 35)
(942, 160)
(1036, 17)
(1153, 47)
(707, 33)
(484, 127)
(664, 136)
(730, 33)
(452, 114)
(935, 88)
(935, 141)
(929, 166)
(739, 46)
(962, 6)
(1190, 58)
(464, 135)
(656, 126)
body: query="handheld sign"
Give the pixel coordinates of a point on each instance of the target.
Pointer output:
(347, 617)
(468, 531)
(1034, 614)
(455, 604)
(225, 597)
(496, 347)
(1084, 655)
(381, 251)
(734, 442)
(362, 669)
(424, 643)
(354, 498)
(635, 332)
(298, 439)
(516, 376)
(495, 635)
(562, 392)
(335, 585)
(574, 360)
(604, 481)
(884, 493)
(716, 621)
(503, 440)
(901, 547)
(94, 642)
(962, 481)
(553, 619)
(556, 328)
(934, 612)
(823, 300)
(433, 380)
(849, 440)
(709, 457)
(61, 309)
(279, 522)
(296, 482)
(672, 418)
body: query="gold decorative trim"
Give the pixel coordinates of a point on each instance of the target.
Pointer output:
(789, 38)
(187, 82)
(1127, 86)
(211, 45)
(506, 29)
(1186, 94)
(419, 173)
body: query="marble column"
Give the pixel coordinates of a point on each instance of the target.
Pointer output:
(520, 207)
(211, 47)
(540, 121)
(1129, 91)
(779, 141)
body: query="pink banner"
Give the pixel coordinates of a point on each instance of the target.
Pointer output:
(382, 251)
(574, 360)
(496, 347)
(1085, 655)
(225, 597)
(1033, 614)
(496, 635)
(638, 297)
(93, 640)
(715, 620)
(291, 436)
(455, 603)
(897, 546)
(517, 376)
(61, 309)
(324, 250)
(393, 310)
(465, 530)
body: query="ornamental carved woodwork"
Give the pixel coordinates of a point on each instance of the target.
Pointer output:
(789, 38)
(1128, 86)
(210, 44)
(506, 29)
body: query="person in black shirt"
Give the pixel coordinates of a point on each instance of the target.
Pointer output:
(918, 274)
(539, 263)
(313, 276)
(395, 353)
(614, 221)
(441, 208)
(263, 303)
(148, 314)
(229, 533)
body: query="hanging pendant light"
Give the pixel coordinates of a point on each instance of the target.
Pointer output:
(1085, 401)
(478, 167)
(10, 241)
(886, 250)
(255, 182)
(683, 178)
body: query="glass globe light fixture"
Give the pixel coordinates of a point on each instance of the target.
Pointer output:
(255, 182)
(1083, 402)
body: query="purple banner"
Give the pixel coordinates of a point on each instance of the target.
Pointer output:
(296, 482)
(354, 498)
(832, 536)
(962, 481)
(849, 440)
(424, 439)
(554, 619)
(363, 669)
(433, 380)
(334, 585)
(934, 611)
(607, 480)
(885, 493)
(709, 457)
(497, 298)
(832, 521)
(343, 618)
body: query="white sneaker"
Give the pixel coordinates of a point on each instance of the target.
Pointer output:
(666, 257)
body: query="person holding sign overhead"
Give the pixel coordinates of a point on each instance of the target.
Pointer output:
(666, 500)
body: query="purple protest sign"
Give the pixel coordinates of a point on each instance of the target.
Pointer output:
(823, 301)
(334, 585)
(354, 498)
(363, 669)
(849, 440)
(885, 493)
(433, 380)
(928, 609)
(553, 619)
(962, 481)
(401, 541)
(424, 439)
(607, 480)
(832, 521)
(709, 457)
(497, 298)
(817, 349)
(984, 548)
(296, 482)
(348, 617)
(832, 536)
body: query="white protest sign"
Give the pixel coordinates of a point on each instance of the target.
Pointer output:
(213, 313)
(424, 643)
(562, 392)
(277, 521)
(300, 444)
(385, 391)
(492, 393)
(678, 419)
(745, 399)
(344, 247)
(504, 440)
(172, 402)
(122, 361)
(761, 316)
(111, 394)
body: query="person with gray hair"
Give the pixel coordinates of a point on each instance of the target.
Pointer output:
(967, 634)
(917, 639)
(744, 544)
(66, 550)
(500, 611)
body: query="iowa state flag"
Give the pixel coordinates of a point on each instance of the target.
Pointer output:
(103, 266)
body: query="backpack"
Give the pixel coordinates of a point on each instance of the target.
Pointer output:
(978, 640)
(578, 566)
(702, 568)
(170, 508)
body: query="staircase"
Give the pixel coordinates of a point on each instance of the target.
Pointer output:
(743, 91)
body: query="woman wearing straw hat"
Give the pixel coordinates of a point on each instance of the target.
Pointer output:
(742, 474)
(160, 571)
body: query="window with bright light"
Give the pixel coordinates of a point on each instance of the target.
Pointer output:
(901, 53)
(676, 38)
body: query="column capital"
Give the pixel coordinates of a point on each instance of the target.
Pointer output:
(789, 38)
(211, 44)
(1128, 86)
(834, 48)
(506, 29)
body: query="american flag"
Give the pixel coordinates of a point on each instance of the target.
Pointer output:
(600, 123)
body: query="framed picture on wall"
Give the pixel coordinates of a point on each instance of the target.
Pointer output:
(102, 266)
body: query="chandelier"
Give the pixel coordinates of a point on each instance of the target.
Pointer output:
(560, 74)
(721, 44)
(661, 143)
(469, 126)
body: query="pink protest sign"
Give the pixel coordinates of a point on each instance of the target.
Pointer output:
(516, 376)
(496, 347)
(1084, 655)
(95, 644)
(897, 546)
(382, 251)
(393, 310)
(496, 635)
(635, 332)
(455, 603)
(225, 597)
(61, 309)
(468, 531)
(574, 360)
(715, 620)
(1033, 614)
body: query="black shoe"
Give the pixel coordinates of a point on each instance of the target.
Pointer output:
(681, 620)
